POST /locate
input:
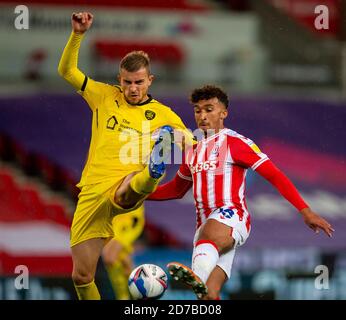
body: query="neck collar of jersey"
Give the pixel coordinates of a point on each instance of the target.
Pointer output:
(214, 135)
(144, 102)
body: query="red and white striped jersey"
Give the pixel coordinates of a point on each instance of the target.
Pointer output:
(217, 166)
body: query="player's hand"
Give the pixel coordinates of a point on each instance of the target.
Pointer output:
(316, 223)
(81, 21)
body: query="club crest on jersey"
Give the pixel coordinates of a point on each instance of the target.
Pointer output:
(215, 151)
(112, 122)
(150, 115)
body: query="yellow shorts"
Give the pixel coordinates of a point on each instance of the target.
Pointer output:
(128, 227)
(95, 212)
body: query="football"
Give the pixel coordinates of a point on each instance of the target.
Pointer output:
(147, 281)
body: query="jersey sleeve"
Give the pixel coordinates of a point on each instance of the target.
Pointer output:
(184, 172)
(69, 60)
(282, 183)
(174, 189)
(92, 91)
(246, 153)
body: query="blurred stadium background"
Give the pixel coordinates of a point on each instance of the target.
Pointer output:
(287, 83)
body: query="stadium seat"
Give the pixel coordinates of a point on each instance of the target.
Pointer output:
(34, 206)
(56, 212)
(6, 182)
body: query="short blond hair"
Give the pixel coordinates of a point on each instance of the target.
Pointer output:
(134, 61)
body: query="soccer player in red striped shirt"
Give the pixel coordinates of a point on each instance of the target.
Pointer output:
(215, 168)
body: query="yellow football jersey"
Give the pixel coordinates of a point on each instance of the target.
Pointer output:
(121, 137)
(121, 133)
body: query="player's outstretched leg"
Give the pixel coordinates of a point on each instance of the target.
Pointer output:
(185, 275)
(161, 152)
(136, 187)
(145, 182)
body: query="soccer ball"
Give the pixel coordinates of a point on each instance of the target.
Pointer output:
(147, 281)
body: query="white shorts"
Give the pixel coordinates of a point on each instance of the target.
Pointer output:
(240, 234)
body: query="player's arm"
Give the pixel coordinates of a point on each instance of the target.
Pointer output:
(249, 155)
(174, 189)
(280, 181)
(68, 65)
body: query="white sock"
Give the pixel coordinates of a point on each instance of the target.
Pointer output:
(204, 259)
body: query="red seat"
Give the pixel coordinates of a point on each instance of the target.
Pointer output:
(32, 203)
(11, 207)
(7, 182)
(46, 169)
(57, 213)
(70, 184)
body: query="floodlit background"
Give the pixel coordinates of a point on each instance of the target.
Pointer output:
(286, 78)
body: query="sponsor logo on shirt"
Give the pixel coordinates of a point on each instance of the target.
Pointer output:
(207, 165)
(112, 122)
(254, 147)
(226, 213)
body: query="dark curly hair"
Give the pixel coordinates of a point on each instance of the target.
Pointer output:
(208, 92)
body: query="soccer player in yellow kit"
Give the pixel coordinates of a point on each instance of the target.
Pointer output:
(117, 253)
(112, 182)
